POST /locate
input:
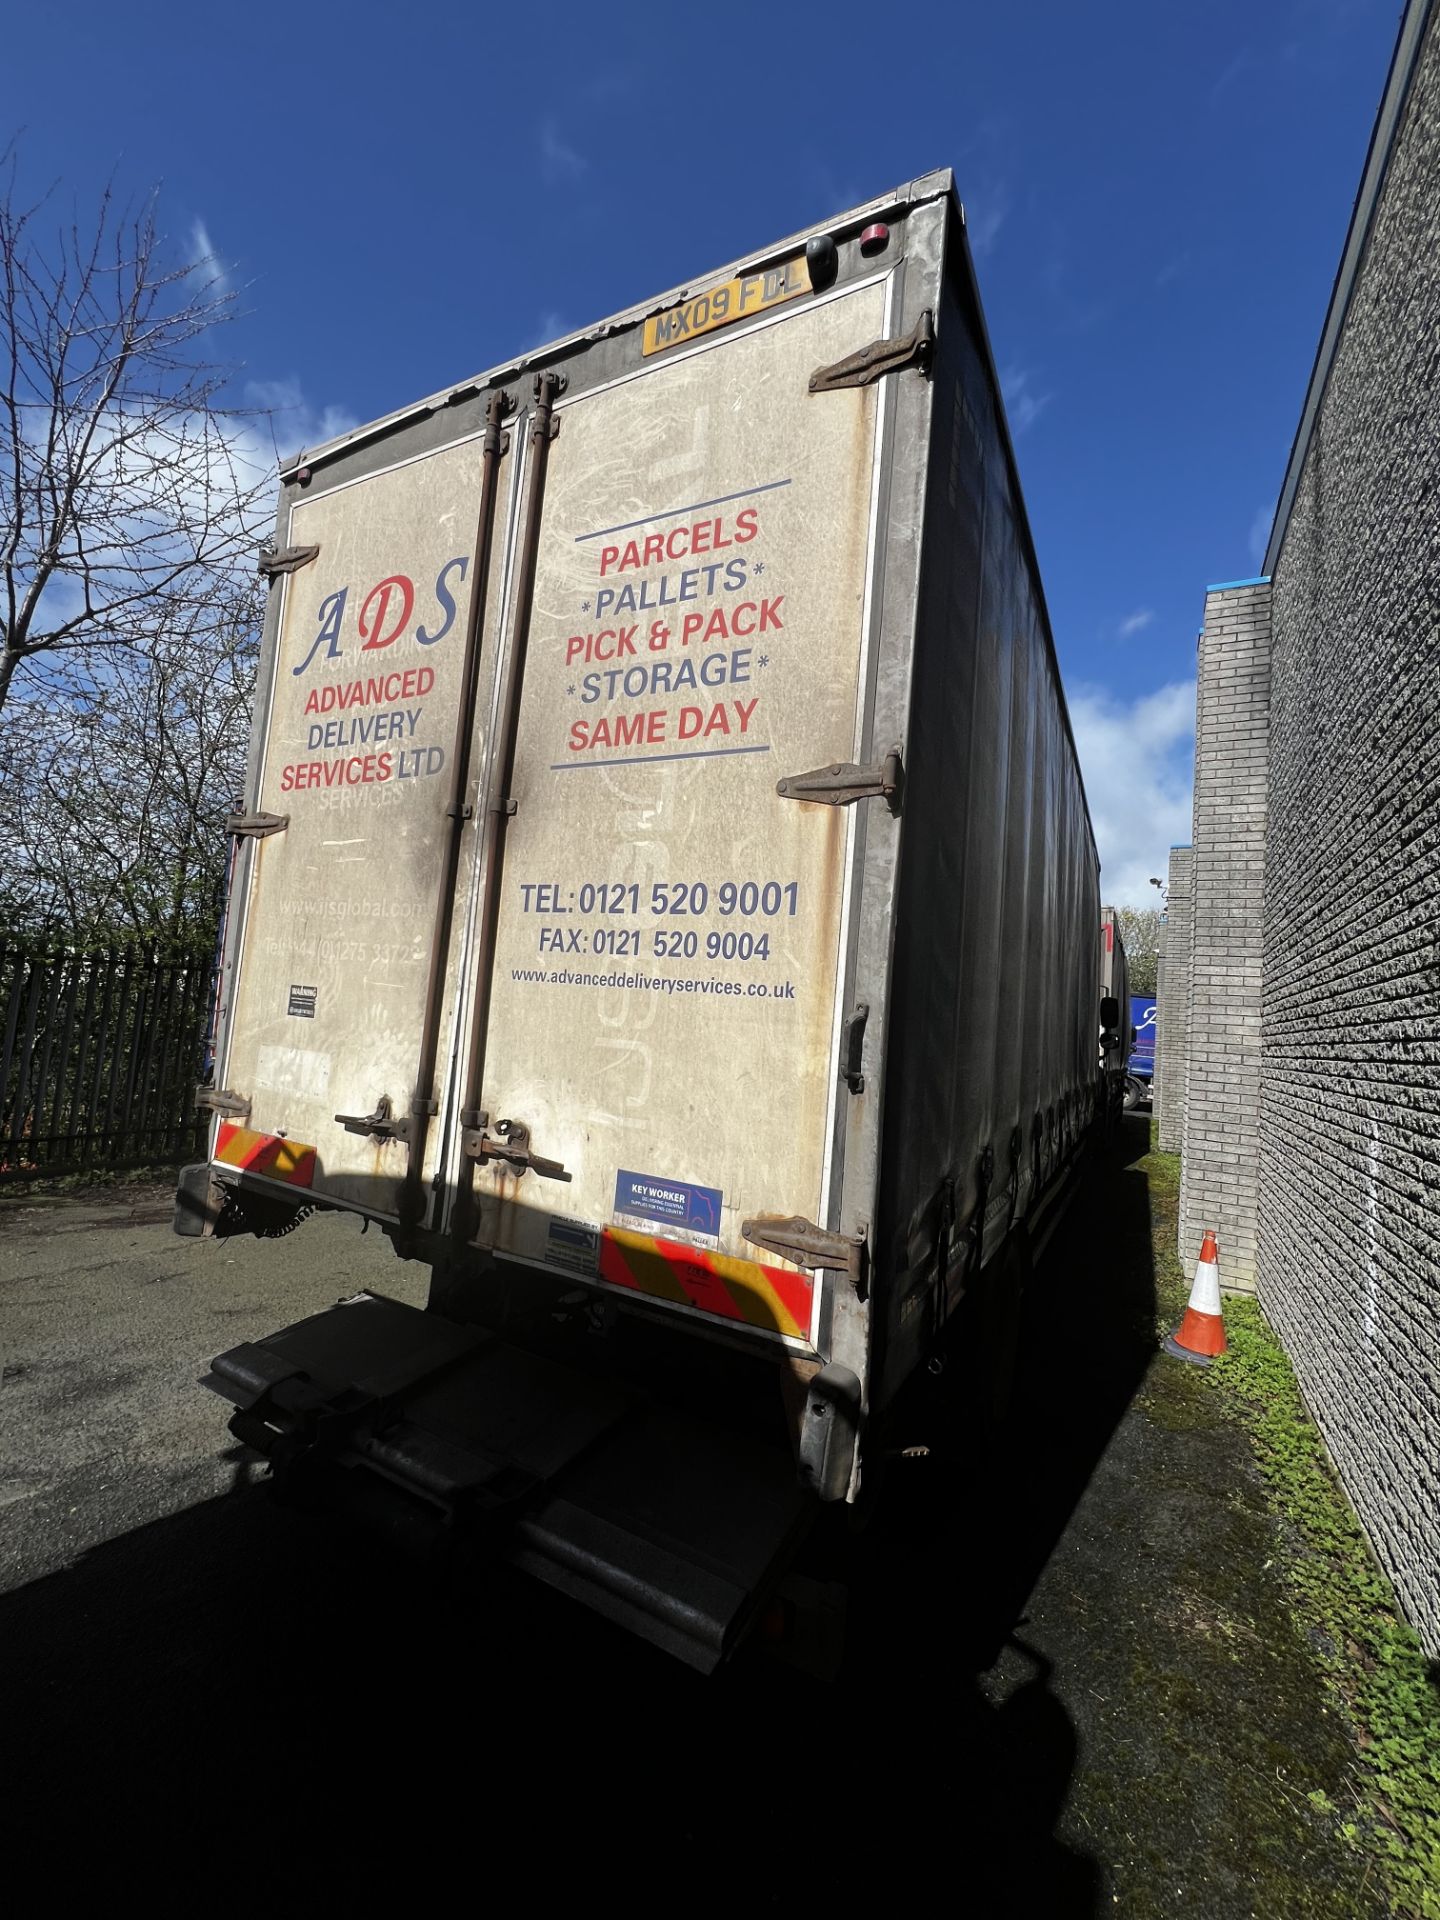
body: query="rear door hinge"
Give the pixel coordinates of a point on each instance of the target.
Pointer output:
(235, 1106)
(510, 1145)
(842, 785)
(806, 1245)
(872, 363)
(255, 826)
(379, 1125)
(273, 563)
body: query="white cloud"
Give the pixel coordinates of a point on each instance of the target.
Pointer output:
(1235, 69)
(1138, 761)
(1136, 622)
(1022, 402)
(205, 264)
(294, 421)
(986, 217)
(550, 325)
(831, 190)
(1260, 532)
(558, 162)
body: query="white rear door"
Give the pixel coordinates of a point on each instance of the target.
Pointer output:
(325, 1007)
(664, 1014)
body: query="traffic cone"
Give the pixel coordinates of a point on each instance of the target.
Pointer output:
(1201, 1334)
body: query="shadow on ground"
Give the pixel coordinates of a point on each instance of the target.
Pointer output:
(240, 1692)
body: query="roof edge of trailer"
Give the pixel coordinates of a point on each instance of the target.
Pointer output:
(1393, 101)
(1027, 532)
(902, 199)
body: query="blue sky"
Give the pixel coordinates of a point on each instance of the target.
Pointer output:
(1158, 196)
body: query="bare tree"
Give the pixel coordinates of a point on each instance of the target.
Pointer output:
(126, 490)
(131, 500)
(117, 800)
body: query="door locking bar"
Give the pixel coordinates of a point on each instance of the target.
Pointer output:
(542, 429)
(382, 1124)
(423, 1103)
(510, 1146)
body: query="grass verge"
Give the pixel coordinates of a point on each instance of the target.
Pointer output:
(1342, 1604)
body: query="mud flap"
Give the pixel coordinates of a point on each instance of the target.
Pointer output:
(673, 1530)
(199, 1199)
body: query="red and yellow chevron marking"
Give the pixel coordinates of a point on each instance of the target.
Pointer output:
(776, 1298)
(288, 1160)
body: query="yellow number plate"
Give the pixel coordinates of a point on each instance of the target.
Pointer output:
(735, 300)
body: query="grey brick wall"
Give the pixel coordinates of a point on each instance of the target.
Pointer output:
(1172, 1038)
(1219, 1178)
(1349, 1207)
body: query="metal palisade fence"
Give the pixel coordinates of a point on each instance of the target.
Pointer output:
(100, 1053)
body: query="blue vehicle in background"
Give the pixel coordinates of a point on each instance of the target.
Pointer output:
(1140, 1068)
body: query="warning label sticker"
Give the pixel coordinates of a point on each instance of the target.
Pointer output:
(574, 1245)
(678, 1209)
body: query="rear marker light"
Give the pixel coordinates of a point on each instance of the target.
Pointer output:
(875, 239)
(823, 259)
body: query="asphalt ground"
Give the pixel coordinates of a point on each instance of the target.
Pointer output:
(1070, 1685)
